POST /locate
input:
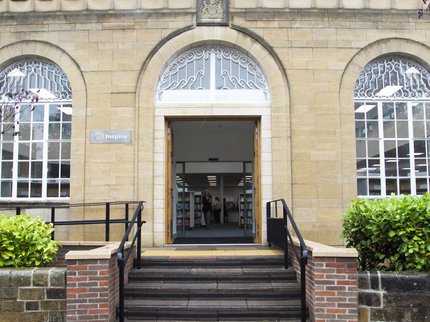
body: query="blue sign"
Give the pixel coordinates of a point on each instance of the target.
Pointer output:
(110, 137)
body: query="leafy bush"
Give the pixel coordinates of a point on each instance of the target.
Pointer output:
(26, 241)
(391, 233)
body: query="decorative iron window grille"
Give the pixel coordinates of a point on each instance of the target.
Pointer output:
(38, 74)
(401, 78)
(214, 74)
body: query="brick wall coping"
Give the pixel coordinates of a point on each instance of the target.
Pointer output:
(103, 252)
(322, 250)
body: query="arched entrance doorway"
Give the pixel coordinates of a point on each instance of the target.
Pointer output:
(213, 178)
(153, 116)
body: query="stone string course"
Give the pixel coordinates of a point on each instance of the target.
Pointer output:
(77, 5)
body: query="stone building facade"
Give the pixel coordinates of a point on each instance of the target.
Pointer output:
(311, 53)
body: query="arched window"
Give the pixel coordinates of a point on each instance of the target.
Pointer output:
(36, 125)
(212, 74)
(392, 125)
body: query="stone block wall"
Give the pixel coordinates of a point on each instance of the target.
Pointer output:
(390, 296)
(32, 294)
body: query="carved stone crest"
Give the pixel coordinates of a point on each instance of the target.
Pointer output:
(211, 9)
(212, 12)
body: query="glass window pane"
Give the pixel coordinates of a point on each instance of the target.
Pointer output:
(405, 186)
(391, 187)
(38, 113)
(388, 111)
(362, 187)
(419, 129)
(25, 113)
(422, 186)
(403, 149)
(22, 191)
(361, 167)
(404, 168)
(53, 169)
(360, 129)
(67, 131)
(420, 167)
(419, 148)
(390, 149)
(23, 169)
(6, 189)
(6, 170)
(401, 111)
(373, 148)
(53, 150)
(54, 131)
(53, 189)
(374, 187)
(374, 168)
(358, 115)
(417, 111)
(361, 149)
(391, 168)
(38, 131)
(67, 117)
(402, 129)
(65, 150)
(65, 190)
(7, 151)
(36, 169)
(36, 189)
(54, 113)
(372, 129)
(24, 131)
(65, 169)
(37, 151)
(427, 107)
(23, 151)
(389, 129)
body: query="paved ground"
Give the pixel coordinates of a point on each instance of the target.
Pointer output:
(211, 251)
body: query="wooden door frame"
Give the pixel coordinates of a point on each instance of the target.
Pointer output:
(168, 196)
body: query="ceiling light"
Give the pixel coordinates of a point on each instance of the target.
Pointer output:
(388, 91)
(15, 73)
(412, 70)
(364, 108)
(43, 93)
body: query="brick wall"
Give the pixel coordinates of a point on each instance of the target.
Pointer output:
(331, 283)
(32, 294)
(92, 284)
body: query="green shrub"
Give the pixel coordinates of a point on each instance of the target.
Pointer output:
(391, 233)
(26, 241)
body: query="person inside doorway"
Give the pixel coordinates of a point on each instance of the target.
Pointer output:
(207, 207)
(216, 207)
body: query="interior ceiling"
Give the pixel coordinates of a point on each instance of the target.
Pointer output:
(223, 131)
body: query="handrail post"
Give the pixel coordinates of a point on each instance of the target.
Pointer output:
(303, 286)
(18, 211)
(126, 216)
(53, 222)
(121, 265)
(286, 258)
(107, 225)
(139, 239)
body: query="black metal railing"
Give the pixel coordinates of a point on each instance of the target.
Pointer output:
(106, 214)
(279, 234)
(123, 255)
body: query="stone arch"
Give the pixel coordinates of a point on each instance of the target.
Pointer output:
(22, 49)
(399, 46)
(276, 174)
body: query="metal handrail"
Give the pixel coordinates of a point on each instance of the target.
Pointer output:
(122, 255)
(302, 258)
(53, 206)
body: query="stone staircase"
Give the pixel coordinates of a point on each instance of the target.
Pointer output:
(213, 289)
